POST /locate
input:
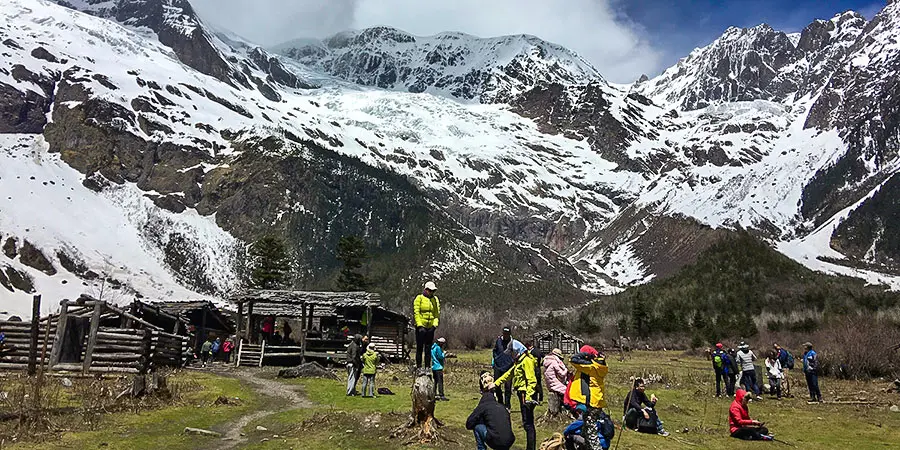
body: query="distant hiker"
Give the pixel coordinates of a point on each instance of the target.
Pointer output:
(538, 368)
(524, 383)
(267, 328)
(640, 411)
(811, 370)
(588, 389)
(427, 311)
(731, 372)
(787, 365)
(354, 362)
(555, 374)
(206, 351)
(773, 370)
(214, 350)
(227, 347)
(490, 420)
(719, 362)
(502, 362)
(740, 423)
(437, 368)
(745, 358)
(370, 367)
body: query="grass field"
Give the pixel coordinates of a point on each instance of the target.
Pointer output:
(334, 421)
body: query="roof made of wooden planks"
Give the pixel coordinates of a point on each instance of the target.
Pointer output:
(291, 303)
(191, 312)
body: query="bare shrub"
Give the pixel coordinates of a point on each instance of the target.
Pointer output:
(469, 329)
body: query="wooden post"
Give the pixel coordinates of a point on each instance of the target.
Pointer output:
(262, 352)
(35, 329)
(129, 322)
(303, 329)
(44, 350)
(204, 335)
(149, 350)
(92, 337)
(369, 322)
(250, 322)
(237, 362)
(240, 320)
(60, 333)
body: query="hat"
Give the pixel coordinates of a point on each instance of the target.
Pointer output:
(719, 346)
(589, 350)
(556, 352)
(807, 344)
(506, 330)
(441, 340)
(371, 346)
(517, 347)
(743, 345)
(486, 381)
(430, 286)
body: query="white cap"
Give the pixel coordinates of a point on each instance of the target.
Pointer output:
(430, 286)
(442, 340)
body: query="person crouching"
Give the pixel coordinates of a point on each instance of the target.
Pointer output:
(490, 420)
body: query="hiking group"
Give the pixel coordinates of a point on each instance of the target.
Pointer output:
(580, 392)
(738, 368)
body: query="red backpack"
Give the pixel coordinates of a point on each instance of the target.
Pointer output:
(568, 403)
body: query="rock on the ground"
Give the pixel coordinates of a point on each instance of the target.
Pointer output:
(201, 432)
(66, 382)
(261, 428)
(895, 408)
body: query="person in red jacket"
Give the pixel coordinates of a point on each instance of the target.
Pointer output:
(742, 426)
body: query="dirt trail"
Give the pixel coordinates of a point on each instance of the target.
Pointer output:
(274, 397)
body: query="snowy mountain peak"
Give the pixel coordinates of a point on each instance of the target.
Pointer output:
(451, 64)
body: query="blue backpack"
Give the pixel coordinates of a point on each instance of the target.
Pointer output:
(215, 347)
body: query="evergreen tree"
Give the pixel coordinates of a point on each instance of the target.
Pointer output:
(269, 263)
(352, 252)
(640, 316)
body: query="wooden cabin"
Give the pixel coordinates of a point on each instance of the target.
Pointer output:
(547, 340)
(202, 317)
(96, 336)
(314, 325)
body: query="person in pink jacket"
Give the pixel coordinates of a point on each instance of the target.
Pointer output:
(555, 373)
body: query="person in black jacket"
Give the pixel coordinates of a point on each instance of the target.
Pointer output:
(636, 405)
(503, 361)
(539, 365)
(490, 420)
(354, 362)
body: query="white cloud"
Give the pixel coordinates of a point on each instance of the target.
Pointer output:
(592, 28)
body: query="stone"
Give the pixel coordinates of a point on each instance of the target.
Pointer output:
(895, 408)
(201, 432)
(31, 256)
(66, 382)
(261, 428)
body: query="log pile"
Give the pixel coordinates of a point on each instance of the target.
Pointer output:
(15, 352)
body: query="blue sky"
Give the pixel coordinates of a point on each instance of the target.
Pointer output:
(677, 27)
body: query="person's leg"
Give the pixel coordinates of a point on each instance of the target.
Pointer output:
(438, 383)
(815, 380)
(809, 386)
(719, 383)
(539, 390)
(528, 422)
(427, 344)
(754, 383)
(747, 434)
(374, 388)
(778, 388)
(589, 429)
(507, 392)
(365, 385)
(480, 437)
(660, 429)
(420, 345)
(631, 418)
(351, 383)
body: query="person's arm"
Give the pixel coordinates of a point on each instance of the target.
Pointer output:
(475, 418)
(530, 379)
(506, 376)
(436, 311)
(581, 358)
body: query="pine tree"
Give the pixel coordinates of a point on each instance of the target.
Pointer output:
(352, 252)
(269, 263)
(640, 316)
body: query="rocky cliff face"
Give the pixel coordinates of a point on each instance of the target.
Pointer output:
(504, 167)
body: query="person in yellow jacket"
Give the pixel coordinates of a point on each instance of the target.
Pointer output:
(524, 383)
(588, 389)
(427, 313)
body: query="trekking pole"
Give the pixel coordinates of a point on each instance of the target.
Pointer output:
(627, 400)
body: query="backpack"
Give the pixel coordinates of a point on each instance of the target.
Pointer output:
(718, 362)
(788, 359)
(215, 347)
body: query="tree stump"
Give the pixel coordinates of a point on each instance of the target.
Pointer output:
(422, 416)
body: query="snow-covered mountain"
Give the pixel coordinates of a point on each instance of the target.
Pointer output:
(505, 167)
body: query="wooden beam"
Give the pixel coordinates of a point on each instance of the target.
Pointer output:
(369, 322)
(60, 334)
(35, 322)
(303, 329)
(240, 320)
(92, 337)
(250, 327)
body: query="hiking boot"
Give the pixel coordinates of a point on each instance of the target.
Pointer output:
(768, 438)
(664, 433)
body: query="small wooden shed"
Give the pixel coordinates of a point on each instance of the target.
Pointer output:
(201, 316)
(324, 321)
(547, 340)
(96, 336)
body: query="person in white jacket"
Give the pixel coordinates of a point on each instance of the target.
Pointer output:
(776, 374)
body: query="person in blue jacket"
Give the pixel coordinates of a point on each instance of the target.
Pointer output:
(811, 370)
(437, 368)
(572, 434)
(502, 362)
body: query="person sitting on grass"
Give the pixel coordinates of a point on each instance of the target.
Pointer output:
(739, 421)
(636, 405)
(370, 368)
(605, 431)
(524, 384)
(490, 420)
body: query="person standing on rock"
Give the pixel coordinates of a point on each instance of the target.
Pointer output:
(427, 313)
(354, 362)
